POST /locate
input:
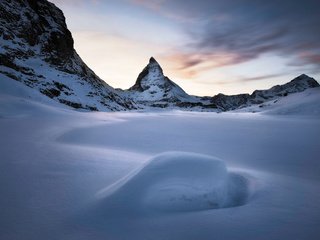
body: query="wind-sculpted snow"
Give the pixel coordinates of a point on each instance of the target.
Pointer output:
(54, 161)
(176, 181)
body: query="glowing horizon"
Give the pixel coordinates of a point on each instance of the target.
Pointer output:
(206, 48)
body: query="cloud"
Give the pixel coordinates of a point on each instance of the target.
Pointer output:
(262, 77)
(245, 29)
(189, 64)
(251, 79)
(242, 79)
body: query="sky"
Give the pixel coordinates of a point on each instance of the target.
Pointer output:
(205, 46)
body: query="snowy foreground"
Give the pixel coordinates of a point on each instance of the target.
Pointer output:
(162, 175)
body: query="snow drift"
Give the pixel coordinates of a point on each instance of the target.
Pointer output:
(176, 181)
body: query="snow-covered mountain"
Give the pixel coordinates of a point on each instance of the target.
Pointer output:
(258, 97)
(152, 85)
(153, 89)
(37, 50)
(305, 103)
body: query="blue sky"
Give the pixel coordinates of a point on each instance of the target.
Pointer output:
(206, 46)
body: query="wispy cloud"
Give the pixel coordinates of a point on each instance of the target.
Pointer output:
(246, 29)
(242, 79)
(189, 64)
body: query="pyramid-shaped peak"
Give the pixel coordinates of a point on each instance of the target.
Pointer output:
(153, 60)
(153, 64)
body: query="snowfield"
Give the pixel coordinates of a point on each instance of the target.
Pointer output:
(158, 175)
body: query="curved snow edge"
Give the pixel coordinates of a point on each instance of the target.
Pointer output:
(176, 181)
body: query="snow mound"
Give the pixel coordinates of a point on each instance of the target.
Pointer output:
(177, 181)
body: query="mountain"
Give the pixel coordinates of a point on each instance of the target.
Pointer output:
(305, 103)
(153, 89)
(232, 102)
(37, 50)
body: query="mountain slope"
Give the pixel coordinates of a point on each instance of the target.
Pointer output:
(37, 50)
(305, 103)
(232, 102)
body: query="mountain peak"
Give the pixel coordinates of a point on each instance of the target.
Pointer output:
(154, 86)
(150, 74)
(153, 60)
(153, 64)
(304, 79)
(303, 76)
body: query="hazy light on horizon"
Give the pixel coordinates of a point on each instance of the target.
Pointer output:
(206, 48)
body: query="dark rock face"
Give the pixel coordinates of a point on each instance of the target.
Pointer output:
(38, 23)
(37, 50)
(226, 103)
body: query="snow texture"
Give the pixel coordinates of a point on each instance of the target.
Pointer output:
(61, 173)
(306, 103)
(177, 181)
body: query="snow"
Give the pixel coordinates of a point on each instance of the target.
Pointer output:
(77, 91)
(11, 90)
(65, 174)
(306, 103)
(175, 181)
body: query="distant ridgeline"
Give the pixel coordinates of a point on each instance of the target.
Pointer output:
(37, 50)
